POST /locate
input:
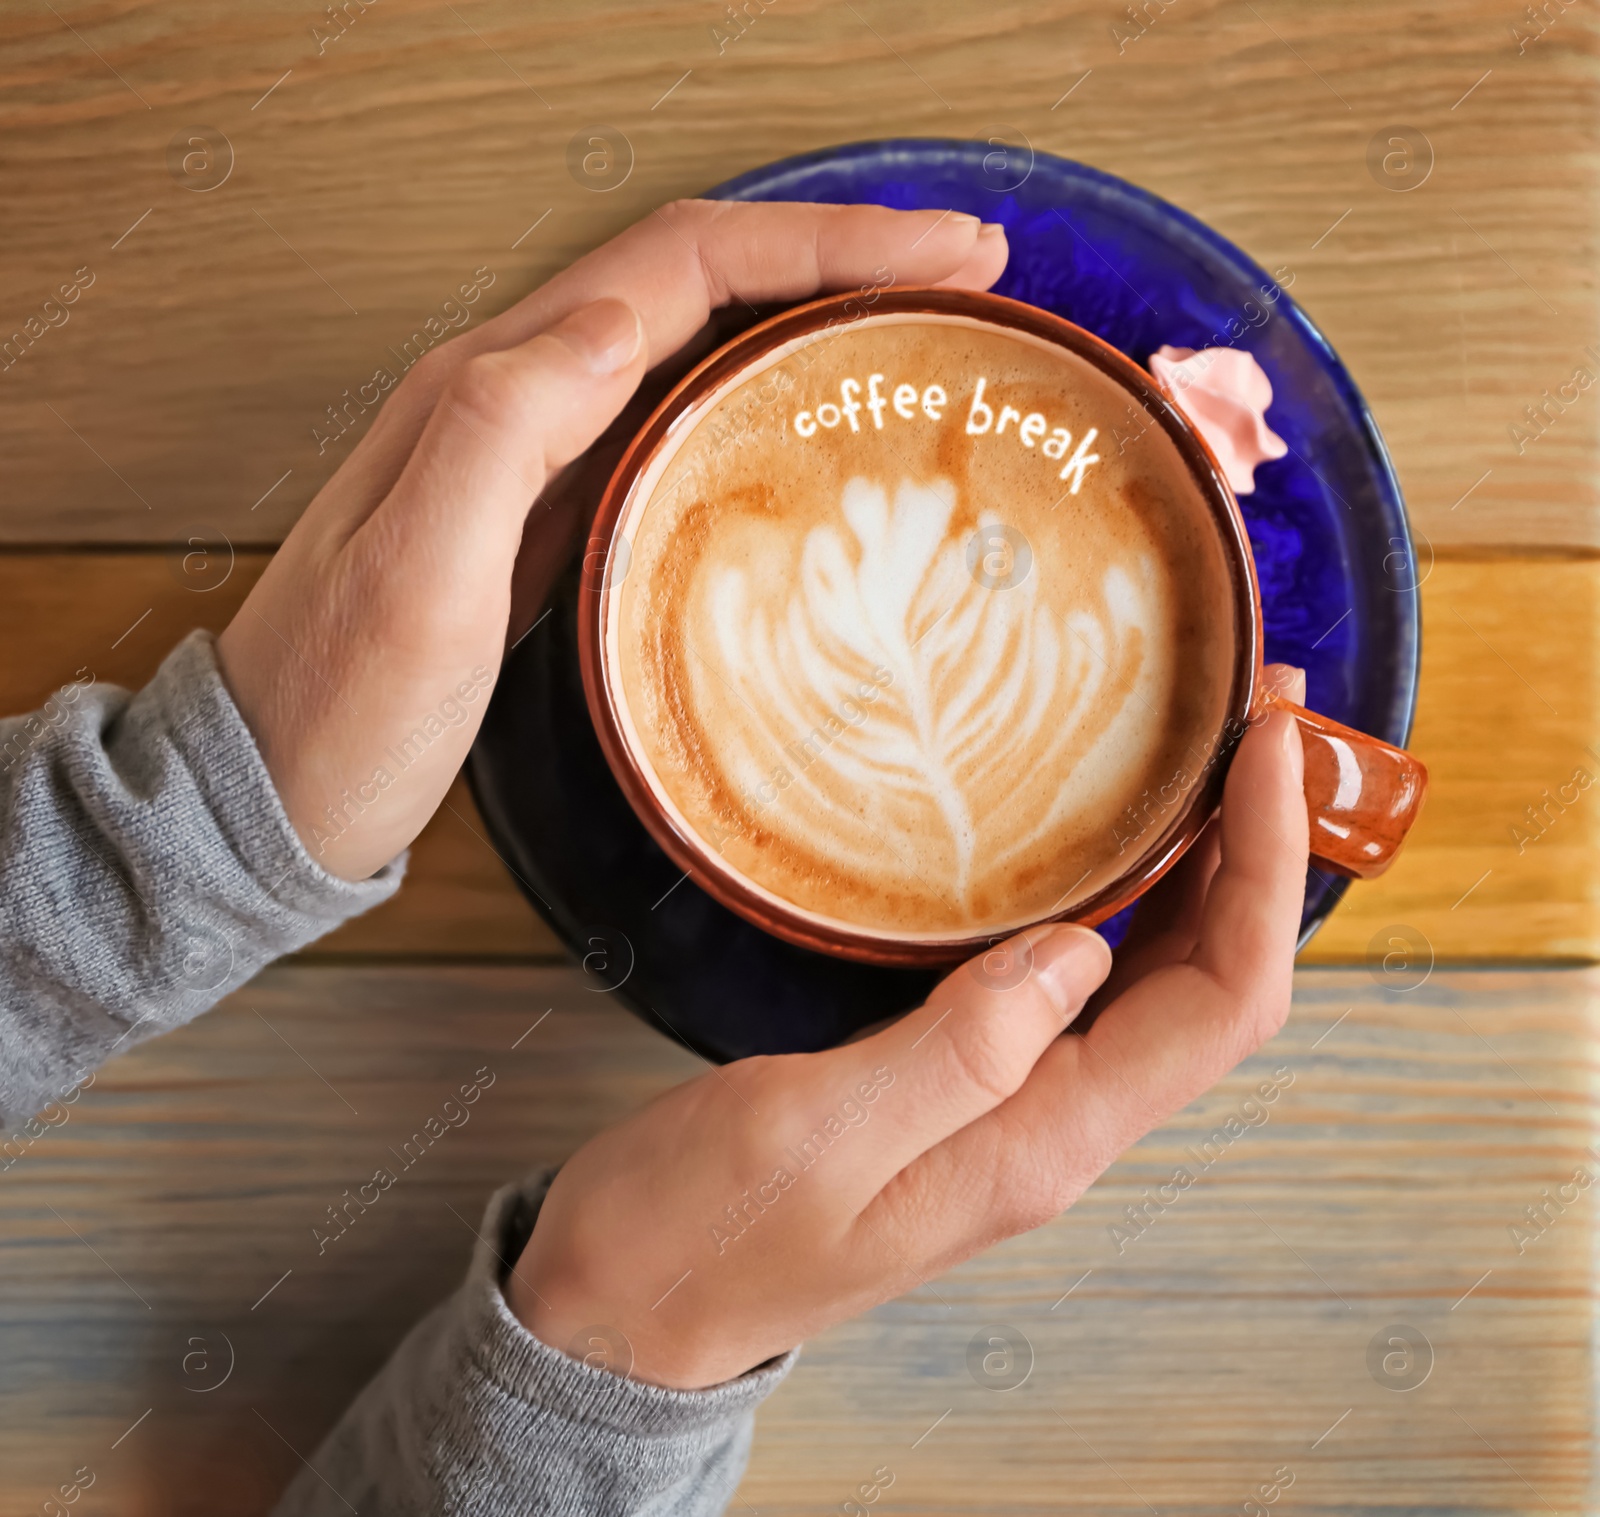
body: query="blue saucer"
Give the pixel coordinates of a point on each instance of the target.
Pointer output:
(1327, 524)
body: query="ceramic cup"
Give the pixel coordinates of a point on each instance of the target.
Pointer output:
(1362, 794)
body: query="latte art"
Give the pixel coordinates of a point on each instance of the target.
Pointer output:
(901, 677)
(942, 688)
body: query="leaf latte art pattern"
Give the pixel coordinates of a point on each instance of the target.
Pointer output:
(887, 717)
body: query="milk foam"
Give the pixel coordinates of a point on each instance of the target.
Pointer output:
(900, 678)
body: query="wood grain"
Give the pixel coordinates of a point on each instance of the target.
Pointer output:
(116, 615)
(1506, 717)
(1228, 1339)
(371, 175)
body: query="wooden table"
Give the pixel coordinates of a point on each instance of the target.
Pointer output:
(363, 181)
(171, 1216)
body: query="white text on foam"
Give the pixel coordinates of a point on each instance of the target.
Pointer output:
(907, 400)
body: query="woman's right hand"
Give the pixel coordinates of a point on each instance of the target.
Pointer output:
(761, 1203)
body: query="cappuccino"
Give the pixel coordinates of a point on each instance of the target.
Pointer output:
(920, 627)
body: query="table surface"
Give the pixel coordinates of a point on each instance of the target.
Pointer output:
(1178, 1369)
(367, 174)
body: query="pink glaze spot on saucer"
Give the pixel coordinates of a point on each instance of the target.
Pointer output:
(1225, 393)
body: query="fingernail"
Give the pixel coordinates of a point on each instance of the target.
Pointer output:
(990, 230)
(961, 218)
(1068, 964)
(1283, 682)
(1284, 730)
(1289, 733)
(605, 334)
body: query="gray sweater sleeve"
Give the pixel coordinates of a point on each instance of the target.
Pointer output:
(147, 869)
(475, 1417)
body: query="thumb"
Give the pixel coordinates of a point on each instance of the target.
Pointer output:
(976, 1039)
(509, 419)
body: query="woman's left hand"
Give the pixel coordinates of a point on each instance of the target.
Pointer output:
(364, 658)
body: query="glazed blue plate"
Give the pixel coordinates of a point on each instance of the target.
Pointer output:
(1327, 524)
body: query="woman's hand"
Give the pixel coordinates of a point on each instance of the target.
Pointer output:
(765, 1201)
(364, 658)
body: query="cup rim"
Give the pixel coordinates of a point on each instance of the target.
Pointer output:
(696, 858)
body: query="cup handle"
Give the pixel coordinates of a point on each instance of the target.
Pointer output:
(1362, 794)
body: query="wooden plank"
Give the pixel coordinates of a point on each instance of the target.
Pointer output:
(1230, 1338)
(459, 901)
(1506, 721)
(115, 615)
(1233, 1336)
(112, 616)
(1507, 714)
(371, 174)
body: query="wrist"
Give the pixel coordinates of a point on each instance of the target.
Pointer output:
(569, 1314)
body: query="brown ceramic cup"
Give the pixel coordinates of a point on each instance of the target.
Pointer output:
(1362, 795)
